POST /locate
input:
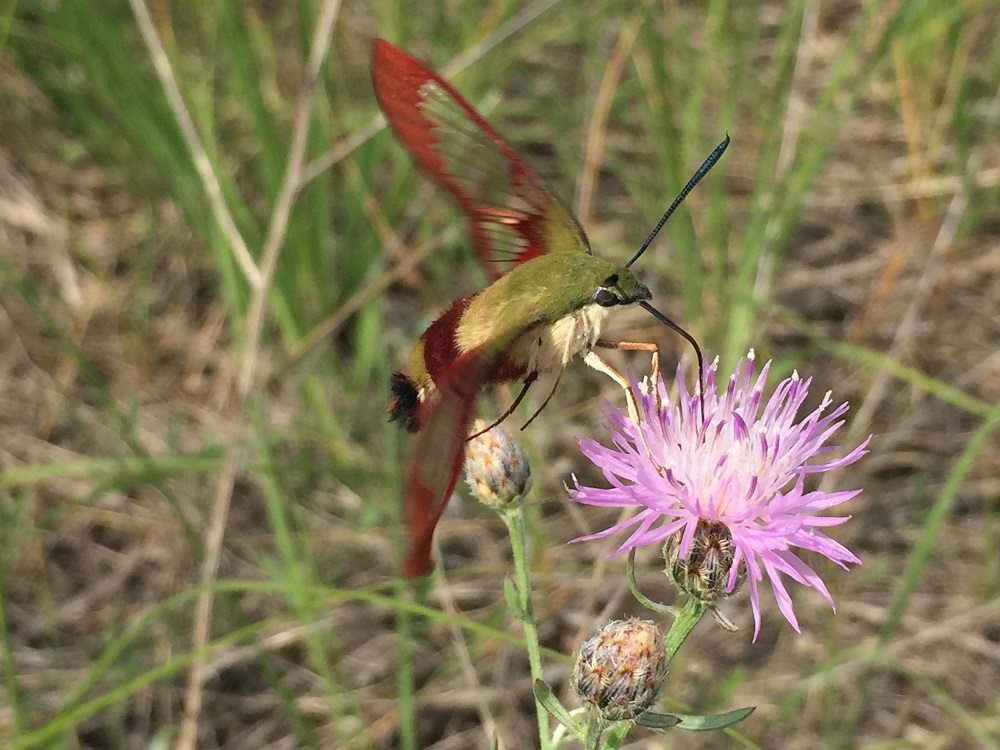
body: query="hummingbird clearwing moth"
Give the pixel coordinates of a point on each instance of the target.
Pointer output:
(546, 304)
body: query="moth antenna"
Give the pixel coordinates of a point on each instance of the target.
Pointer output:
(695, 179)
(691, 340)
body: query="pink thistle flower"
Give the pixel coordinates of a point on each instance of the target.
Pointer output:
(743, 465)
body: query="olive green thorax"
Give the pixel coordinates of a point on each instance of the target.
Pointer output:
(545, 289)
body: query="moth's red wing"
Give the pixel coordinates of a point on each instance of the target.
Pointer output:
(438, 450)
(512, 215)
(438, 453)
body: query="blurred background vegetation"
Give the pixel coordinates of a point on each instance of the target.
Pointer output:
(212, 256)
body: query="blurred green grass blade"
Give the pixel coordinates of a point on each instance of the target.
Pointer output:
(934, 386)
(879, 361)
(119, 470)
(74, 711)
(920, 558)
(248, 67)
(656, 60)
(406, 646)
(715, 87)
(769, 230)
(977, 727)
(247, 61)
(6, 24)
(294, 570)
(12, 693)
(925, 546)
(99, 41)
(125, 469)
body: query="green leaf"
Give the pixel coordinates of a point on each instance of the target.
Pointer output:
(719, 721)
(654, 720)
(513, 597)
(545, 696)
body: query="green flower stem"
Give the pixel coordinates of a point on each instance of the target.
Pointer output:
(683, 624)
(596, 727)
(617, 735)
(595, 730)
(514, 518)
(634, 587)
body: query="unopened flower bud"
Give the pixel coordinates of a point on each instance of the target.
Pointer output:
(619, 671)
(496, 468)
(705, 573)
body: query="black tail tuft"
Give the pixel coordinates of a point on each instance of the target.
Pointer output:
(405, 400)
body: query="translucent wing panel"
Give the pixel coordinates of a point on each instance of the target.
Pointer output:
(438, 451)
(512, 215)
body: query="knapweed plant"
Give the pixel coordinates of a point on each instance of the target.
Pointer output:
(718, 482)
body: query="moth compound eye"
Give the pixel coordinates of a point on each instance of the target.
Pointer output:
(605, 297)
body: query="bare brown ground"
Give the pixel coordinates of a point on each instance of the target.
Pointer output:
(873, 261)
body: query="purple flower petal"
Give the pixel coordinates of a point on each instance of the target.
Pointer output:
(742, 465)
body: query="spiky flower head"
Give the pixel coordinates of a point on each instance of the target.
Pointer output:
(496, 468)
(743, 465)
(619, 671)
(704, 572)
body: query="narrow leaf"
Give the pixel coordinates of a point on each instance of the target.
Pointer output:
(719, 721)
(654, 720)
(513, 598)
(545, 696)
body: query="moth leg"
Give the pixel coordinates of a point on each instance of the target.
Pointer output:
(510, 409)
(594, 361)
(600, 365)
(547, 398)
(640, 346)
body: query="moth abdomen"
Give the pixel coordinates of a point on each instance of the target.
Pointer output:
(404, 402)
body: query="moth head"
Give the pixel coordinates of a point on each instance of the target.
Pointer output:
(620, 288)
